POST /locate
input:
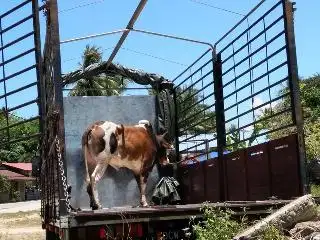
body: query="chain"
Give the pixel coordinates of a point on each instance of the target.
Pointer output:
(63, 176)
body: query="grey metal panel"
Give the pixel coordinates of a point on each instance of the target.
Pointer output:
(117, 188)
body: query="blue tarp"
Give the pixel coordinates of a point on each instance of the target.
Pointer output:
(205, 157)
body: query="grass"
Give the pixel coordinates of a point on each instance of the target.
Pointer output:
(272, 233)
(218, 225)
(315, 190)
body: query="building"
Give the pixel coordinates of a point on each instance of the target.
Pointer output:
(19, 175)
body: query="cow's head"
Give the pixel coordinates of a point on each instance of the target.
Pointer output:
(164, 146)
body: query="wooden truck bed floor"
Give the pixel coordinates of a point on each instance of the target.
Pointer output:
(115, 215)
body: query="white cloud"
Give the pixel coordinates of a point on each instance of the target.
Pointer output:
(248, 129)
(258, 102)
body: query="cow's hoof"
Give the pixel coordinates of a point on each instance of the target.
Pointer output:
(95, 206)
(144, 204)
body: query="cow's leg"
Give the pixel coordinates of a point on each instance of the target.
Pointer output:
(89, 191)
(142, 184)
(139, 184)
(94, 178)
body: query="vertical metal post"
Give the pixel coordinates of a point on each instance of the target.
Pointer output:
(220, 118)
(207, 148)
(38, 59)
(58, 95)
(4, 84)
(297, 115)
(176, 126)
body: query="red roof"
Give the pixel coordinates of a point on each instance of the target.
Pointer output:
(14, 176)
(22, 166)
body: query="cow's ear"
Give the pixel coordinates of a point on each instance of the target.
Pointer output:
(167, 145)
(119, 129)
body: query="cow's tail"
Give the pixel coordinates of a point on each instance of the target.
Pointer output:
(85, 152)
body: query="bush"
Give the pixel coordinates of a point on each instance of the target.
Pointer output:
(272, 233)
(218, 225)
(315, 190)
(15, 196)
(4, 184)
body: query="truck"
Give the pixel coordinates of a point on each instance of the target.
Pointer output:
(225, 154)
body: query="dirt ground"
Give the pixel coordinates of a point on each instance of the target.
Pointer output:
(21, 225)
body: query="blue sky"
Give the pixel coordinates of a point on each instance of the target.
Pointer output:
(193, 19)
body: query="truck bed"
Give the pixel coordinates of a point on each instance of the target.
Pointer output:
(129, 214)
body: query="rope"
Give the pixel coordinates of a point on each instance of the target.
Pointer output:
(140, 77)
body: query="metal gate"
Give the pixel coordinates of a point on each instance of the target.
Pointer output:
(20, 74)
(231, 97)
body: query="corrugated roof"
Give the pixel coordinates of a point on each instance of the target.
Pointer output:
(14, 176)
(22, 166)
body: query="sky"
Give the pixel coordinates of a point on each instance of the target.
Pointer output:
(203, 20)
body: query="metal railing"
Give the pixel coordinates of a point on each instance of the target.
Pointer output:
(195, 107)
(255, 81)
(254, 88)
(255, 78)
(19, 75)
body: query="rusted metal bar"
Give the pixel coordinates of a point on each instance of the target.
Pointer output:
(22, 105)
(198, 145)
(17, 23)
(58, 97)
(260, 120)
(17, 57)
(4, 82)
(94, 36)
(196, 103)
(18, 90)
(174, 37)
(20, 123)
(196, 135)
(17, 73)
(17, 40)
(256, 93)
(192, 64)
(254, 38)
(235, 26)
(195, 72)
(257, 107)
(125, 34)
(20, 139)
(193, 116)
(254, 52)
(15, 8)
(255, 66)
(262, 134)
(297, 115)
(220, 119)
(256, 79)
(194, 83)
(176, 125)
(38, 60)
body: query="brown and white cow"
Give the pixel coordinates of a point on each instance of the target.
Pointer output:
(135, 147)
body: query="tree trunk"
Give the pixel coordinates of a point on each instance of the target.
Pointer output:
(299, 210)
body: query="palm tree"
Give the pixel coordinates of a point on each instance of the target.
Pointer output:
(100, 85)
